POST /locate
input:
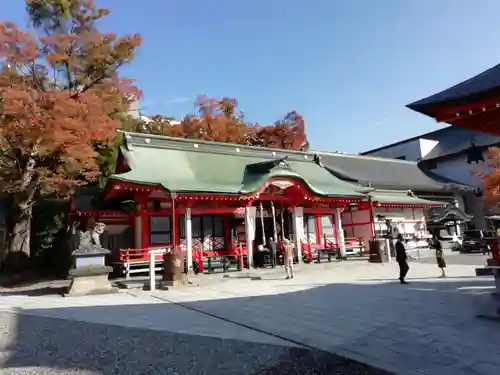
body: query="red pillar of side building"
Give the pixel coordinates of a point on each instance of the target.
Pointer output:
(227, 232)
(144, 222)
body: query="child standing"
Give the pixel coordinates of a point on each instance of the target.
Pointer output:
(288, 258)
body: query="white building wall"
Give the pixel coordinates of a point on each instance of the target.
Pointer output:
(454, 168)
(457, 169)
(426, 146)
(412, 150)
(134, 109)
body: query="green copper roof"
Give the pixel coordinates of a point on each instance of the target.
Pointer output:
(182, 165)
(401, 197)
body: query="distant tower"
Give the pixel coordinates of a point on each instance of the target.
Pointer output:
(133, 109)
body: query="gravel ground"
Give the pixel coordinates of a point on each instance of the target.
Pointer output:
(31, 344)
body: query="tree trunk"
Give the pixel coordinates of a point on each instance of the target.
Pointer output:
(19, 221)
(18, 251)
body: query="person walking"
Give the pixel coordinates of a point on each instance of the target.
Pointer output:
(392, 235)
(401, 258)
(288, 258)
(273, 246)
(436, 245)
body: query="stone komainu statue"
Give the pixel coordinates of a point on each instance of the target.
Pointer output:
(91, 239)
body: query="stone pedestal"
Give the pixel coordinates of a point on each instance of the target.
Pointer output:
(380, 251)
(174, 270)
(90, 275)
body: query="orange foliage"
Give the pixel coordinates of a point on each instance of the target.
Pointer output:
(58, 90)
(288, 133)
(491, 180)
(219, 120)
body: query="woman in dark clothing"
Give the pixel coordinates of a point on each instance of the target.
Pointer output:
(436, 245)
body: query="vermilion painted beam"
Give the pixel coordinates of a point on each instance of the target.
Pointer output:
(446, 113)
(488, 122)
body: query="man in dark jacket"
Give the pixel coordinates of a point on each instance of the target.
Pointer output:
(401, 258)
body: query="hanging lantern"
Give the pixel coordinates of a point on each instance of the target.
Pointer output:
(474, 154)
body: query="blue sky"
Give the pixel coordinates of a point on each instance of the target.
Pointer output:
(348, 66)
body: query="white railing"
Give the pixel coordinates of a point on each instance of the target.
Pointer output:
(152, 266)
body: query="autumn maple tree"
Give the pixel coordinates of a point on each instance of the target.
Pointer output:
(288, 133)
(491, 178)
(60, 93)
(220, 120)
(217, 120)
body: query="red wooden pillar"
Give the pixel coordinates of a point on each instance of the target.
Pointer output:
(334, 224)
(319, 229)
(144, 222)
(131, 222)
(227, 233)
(176, 216)
(372, 221)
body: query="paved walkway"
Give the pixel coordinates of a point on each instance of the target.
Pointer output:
(354, 309)
(357, 310)
(130, 311)
(141, 334)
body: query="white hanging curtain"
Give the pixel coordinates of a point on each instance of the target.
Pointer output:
(282, 222)
(262, 225)
(250, 224)
(299, 224)
(275, 231)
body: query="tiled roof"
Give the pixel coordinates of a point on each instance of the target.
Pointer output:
(439, 215)
(484, 82)
(182, 165)
(381, 172)
(458, 140)
(402, 197)
(451, 140)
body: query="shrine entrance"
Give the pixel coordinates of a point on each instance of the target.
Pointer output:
(273, 224)
(275, 220)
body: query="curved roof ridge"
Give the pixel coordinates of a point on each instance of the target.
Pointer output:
(365, 157)
(484, 82)
(208, 143)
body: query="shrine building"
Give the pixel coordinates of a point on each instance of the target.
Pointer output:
(217, 200)
(472, 107)
(472, 104)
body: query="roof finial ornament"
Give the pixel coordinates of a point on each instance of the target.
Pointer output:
(317, 159)
(127, 141)
(283, 163)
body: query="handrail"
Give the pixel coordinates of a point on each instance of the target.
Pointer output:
(143, 253)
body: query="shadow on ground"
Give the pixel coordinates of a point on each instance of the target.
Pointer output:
(103, 339)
